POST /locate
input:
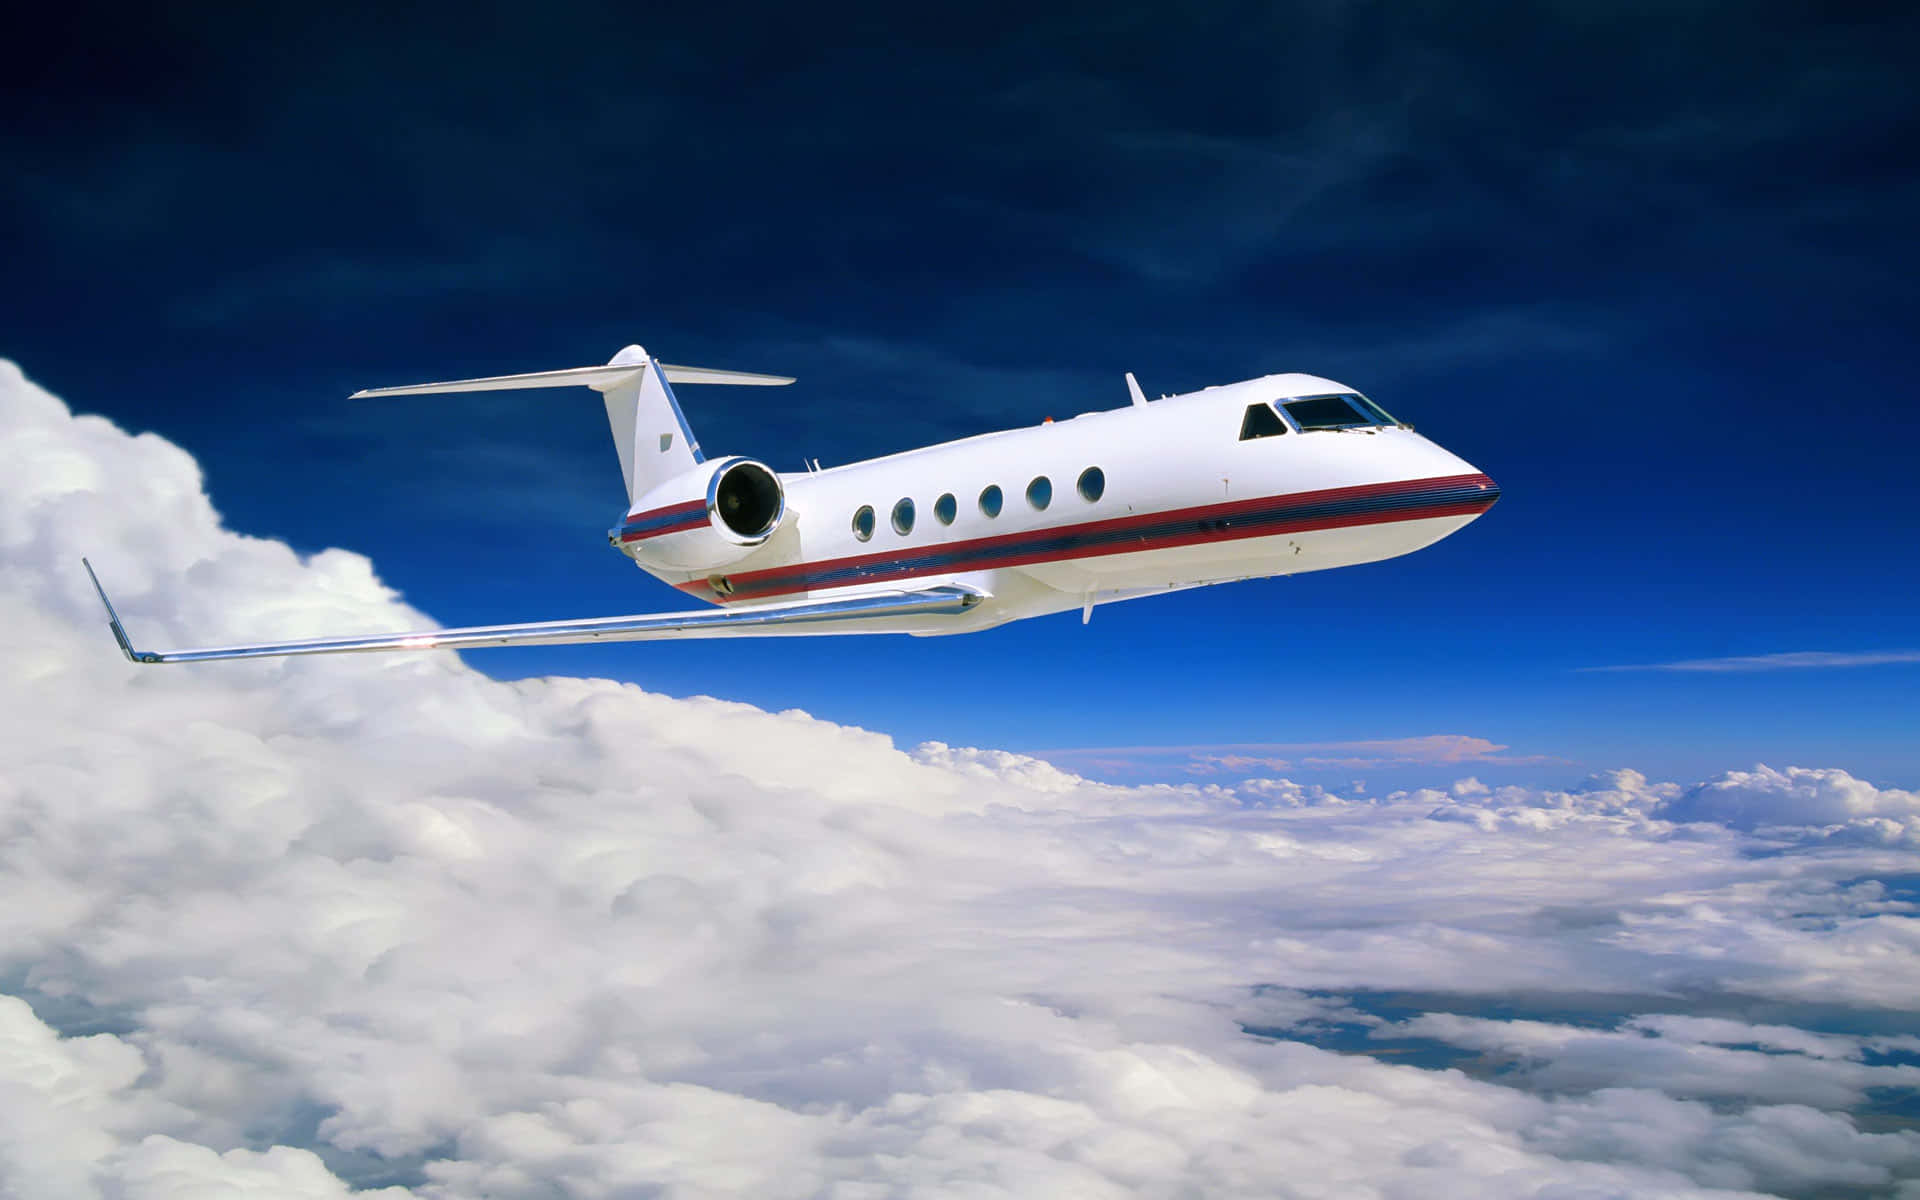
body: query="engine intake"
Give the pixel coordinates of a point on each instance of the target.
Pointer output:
(712, 516)
(746, 501)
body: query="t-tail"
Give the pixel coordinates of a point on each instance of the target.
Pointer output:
(651, 433)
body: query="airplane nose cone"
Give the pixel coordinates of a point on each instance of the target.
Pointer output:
(1469, 494)
(1469, 484)
(1477, 489)
(1488, 488)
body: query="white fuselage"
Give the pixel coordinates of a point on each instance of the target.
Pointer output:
(1185, 502)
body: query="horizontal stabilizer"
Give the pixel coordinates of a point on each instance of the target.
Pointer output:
(715, 375)
(598, 378)
(847, 615)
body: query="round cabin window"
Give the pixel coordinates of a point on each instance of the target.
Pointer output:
(1040, 492)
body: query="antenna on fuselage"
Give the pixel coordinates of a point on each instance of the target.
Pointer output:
(1133, 389)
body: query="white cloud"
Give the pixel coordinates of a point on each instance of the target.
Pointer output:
(1798, 796)
(1656, 1052)
(563, 937)
(1790, 660)
(1241, 758)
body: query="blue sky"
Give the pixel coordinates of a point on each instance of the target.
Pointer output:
(1648, 266)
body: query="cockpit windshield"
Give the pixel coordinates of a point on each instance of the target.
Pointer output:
(1345, 411)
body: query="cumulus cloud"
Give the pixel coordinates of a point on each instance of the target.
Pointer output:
(1798, 796)
(294, 928)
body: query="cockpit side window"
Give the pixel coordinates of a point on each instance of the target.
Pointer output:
(1328, 412)
(1261, 421)
(1373, 410)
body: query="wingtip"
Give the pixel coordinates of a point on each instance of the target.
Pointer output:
(96, 581)
(113, 618)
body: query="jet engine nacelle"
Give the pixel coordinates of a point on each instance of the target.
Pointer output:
(712, 516)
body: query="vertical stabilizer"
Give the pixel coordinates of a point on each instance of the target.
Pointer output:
(649, 430)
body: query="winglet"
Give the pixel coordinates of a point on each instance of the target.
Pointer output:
(1133, 389)
(113, 621)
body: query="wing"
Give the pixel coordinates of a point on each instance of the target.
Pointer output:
(868, 613)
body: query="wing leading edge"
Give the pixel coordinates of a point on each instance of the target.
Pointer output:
(812, 616)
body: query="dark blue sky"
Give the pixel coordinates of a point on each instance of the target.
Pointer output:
(1650, 266)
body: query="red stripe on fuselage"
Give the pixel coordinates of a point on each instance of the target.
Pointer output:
(890, 565)
(679, 517)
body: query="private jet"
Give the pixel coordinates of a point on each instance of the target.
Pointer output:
(1278, 475)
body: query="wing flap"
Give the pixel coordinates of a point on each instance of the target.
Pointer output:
(844, 615)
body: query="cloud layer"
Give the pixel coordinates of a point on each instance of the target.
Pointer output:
(1245, 757)
(291, 927)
